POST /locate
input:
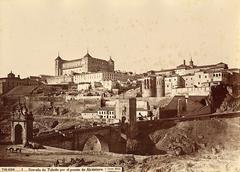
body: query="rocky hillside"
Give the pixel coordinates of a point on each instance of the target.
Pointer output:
(229, 104)
(191, 136)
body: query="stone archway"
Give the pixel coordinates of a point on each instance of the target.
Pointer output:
(96, 143)
(18, 134)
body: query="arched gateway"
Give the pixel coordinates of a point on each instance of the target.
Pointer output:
(21, 125)
(18, 134)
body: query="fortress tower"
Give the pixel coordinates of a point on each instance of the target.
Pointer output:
(191, 63)
(111, 64)
(160, 86)
(58, 66)
(21, 126)
(149, 86)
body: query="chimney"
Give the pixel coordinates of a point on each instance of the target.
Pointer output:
(184, 62)
(18, 76)
(186, 102)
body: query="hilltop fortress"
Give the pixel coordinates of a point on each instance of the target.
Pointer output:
(83, 65)
(87, 71)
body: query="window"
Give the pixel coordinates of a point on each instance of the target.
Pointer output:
(199, 76)
(169, 80)
(198, 83)
(205, 76)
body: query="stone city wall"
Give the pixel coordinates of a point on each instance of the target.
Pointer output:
(200, 91)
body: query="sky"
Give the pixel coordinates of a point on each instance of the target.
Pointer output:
(139, 35)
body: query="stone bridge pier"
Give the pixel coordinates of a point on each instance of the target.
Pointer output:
(107, 139)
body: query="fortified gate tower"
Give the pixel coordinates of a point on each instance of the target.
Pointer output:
(21, 125)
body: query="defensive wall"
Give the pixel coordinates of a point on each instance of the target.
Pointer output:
(200, 91)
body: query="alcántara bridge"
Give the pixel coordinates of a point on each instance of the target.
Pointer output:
(100, 138)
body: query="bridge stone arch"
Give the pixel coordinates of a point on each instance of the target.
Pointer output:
(96, 143)
(105, 139)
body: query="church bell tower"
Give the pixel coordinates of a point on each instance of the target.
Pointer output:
(58, 66)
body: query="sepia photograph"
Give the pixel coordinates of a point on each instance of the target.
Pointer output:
(117, 85)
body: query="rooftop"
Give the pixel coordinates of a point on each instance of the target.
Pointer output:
(89, 111)
(21, 91)
(188, 67)
(87, 55)
(106, 108)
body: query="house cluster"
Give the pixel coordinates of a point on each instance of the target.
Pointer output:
(104, 114)
(112, 113)
(189, 80)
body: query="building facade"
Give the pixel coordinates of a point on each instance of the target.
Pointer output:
(107, 114)
(90, 114)
(11, 81)
(187, 79)
(103, 114)
(107, 79)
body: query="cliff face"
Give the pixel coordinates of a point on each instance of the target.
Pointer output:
(209, 145)
(217, 95)
(188, 137)
(192, 136)
(229, 104)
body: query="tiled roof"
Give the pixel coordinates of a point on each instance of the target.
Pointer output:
(89, 111)
(106, 108)
(189, 74)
